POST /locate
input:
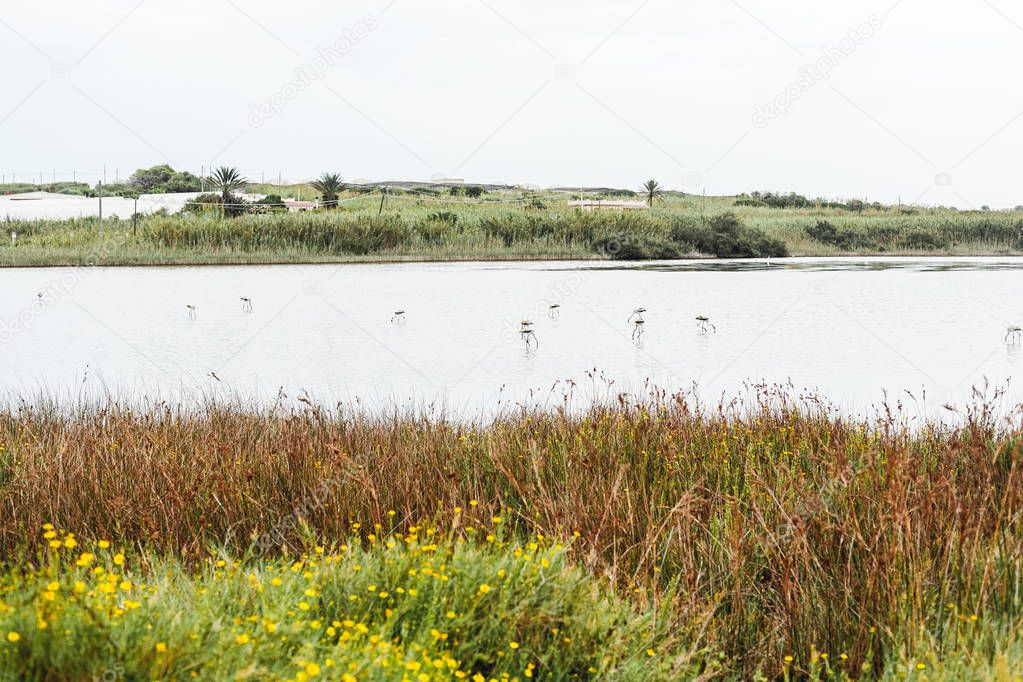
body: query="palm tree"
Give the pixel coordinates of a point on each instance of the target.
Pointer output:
(653, 191)
(227, 180)
(330, 186)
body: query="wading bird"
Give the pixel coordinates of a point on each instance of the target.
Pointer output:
(638, 327)
(398, 317)
(528, 337)
(554, 311)
(191, 311)
(705, 325)
(246, 305)
(638, 323)
(1012, 334)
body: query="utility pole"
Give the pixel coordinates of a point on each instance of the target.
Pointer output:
(101, 206)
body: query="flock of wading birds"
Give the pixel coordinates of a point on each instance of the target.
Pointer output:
(1013, 332)
(526, 332)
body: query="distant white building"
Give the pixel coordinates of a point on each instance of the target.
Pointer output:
(607, 205)
(299, 206)
(52, 206)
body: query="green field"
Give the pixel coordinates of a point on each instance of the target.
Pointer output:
(431, 224)
(649, 539)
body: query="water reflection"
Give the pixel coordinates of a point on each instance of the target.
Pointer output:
(1013, 352)
(836, 264)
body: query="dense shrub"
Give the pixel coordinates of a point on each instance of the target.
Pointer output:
(163, 178)
(627, 247)
(793, 200)
(826, 233)
(271, 202)
(207, 203)
(920, 240)
(449, 217)
(725, 236)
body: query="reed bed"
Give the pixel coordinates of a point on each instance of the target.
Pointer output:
(434, 229)
(773, 529)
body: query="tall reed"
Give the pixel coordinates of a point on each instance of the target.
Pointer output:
(781, 527)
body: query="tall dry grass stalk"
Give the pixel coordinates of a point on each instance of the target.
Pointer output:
(782, 528)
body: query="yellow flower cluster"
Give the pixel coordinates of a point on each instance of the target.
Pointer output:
(288, 608)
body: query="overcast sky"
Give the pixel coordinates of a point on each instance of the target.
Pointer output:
(913, 99)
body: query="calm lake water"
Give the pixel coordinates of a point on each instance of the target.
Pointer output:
(848, 328)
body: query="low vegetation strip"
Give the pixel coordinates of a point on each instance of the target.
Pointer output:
(417, 227)
(777, 539)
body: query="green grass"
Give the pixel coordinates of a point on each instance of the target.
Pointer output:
(417, 226)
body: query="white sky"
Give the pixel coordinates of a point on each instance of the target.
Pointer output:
(594, 93)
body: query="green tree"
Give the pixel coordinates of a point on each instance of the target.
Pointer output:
(653, 192)
(270, 203)
(183, 182)
(330, 186)
(148, 179)
(228, 180)
(159, 179)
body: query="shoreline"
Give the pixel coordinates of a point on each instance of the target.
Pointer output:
(539, 258)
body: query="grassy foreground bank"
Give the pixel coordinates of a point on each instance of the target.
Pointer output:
(641, 540)
(511, 225)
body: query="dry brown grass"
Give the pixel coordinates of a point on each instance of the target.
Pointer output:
(779, 530)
